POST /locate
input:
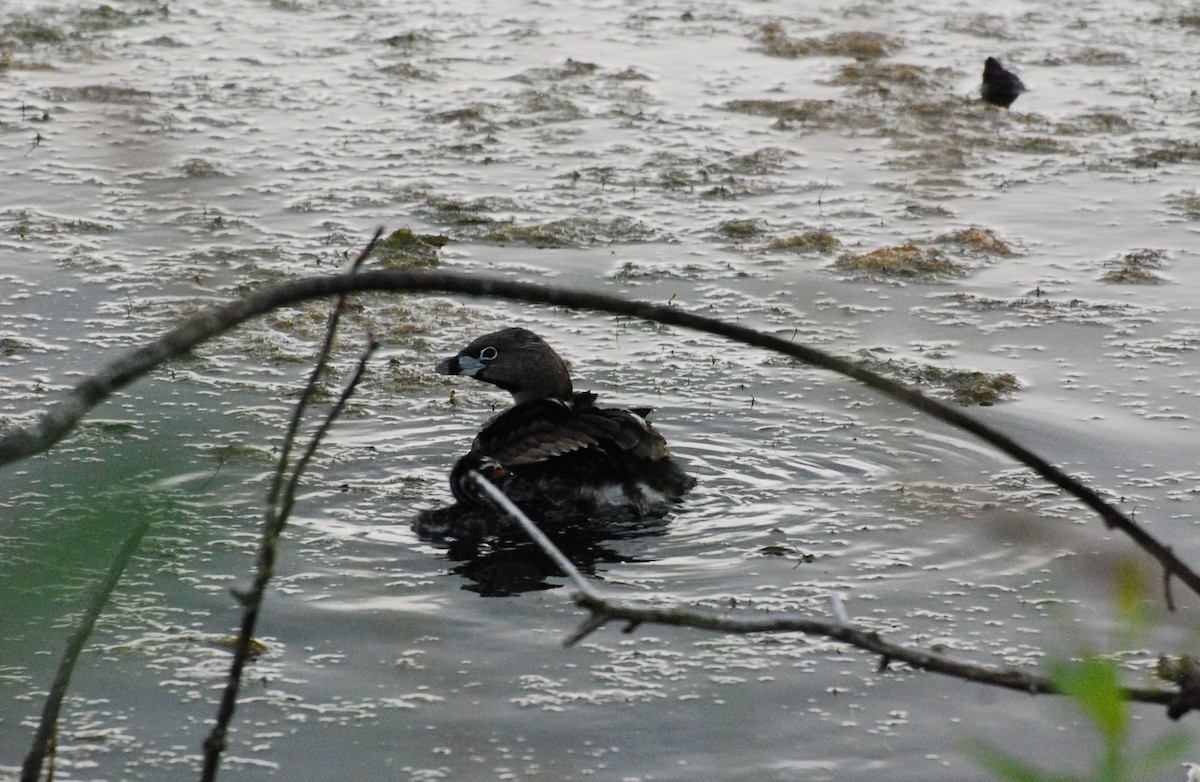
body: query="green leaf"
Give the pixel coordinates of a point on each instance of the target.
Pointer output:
(1094, 683)
(1132, 607)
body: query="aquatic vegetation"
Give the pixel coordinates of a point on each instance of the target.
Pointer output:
(1031, 310)
(909, 261)
(537, 107)
(28, 31)
(200, 168)
(99, 93)
(631, 272)
(966, 387)
(919, 210)
(408, 41)
(809, 241)
(981, 25)
(740, 230)
(981, 388)
(1043, 145)
(571, 69)
(406, 70)
(1170, 151)
(405, 378)
(873, 77)
(934, 155)
(906, 261)
(629, 74)
(975, 240)
(761, 161)
(1136, 267)
(68, 31)
(11, 346)
(1186, 203)
(24, 224)
(859, 45)
(470, 117)
(571, 232)
(819, 112)
(454, 211)
(787, 551)
(674, 180)
(404, 249)
(1094, 122)
(1098, 57)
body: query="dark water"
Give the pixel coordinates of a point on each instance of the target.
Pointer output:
(161, 157)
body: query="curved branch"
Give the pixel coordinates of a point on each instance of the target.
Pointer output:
(63, 417)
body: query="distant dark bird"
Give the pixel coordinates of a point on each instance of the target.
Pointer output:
(1000, 85)
(555, 450)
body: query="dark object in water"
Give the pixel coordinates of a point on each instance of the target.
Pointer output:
(555, 453)
(1000, 85)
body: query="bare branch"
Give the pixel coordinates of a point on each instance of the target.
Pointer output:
(603, 610)
(866, 640)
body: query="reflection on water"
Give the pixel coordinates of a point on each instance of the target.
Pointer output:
(721, 158)
(499, 558)
(508, 563)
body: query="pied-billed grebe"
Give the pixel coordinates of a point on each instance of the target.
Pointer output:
(1000, 86)
(554, 449)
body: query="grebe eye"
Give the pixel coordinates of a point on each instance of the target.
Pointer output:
(488, 353)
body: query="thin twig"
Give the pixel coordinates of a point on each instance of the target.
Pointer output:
(280, 501)
(277, 517)
(59, 420)
(318, 369)
(288, 500)
(32, 768)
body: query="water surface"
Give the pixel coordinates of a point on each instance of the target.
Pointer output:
(162, 157)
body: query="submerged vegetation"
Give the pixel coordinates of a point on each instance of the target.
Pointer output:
(955, 255)
(403, 249)
(809, 241)
(571, 232)
(199, 168)
(741, 230)
(966, 387)
(859, 45)
(901, 262)
(873, 78)
(980, 241)
(1140, 267)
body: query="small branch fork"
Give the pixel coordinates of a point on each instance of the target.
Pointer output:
(281, 499)
(603, 610)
